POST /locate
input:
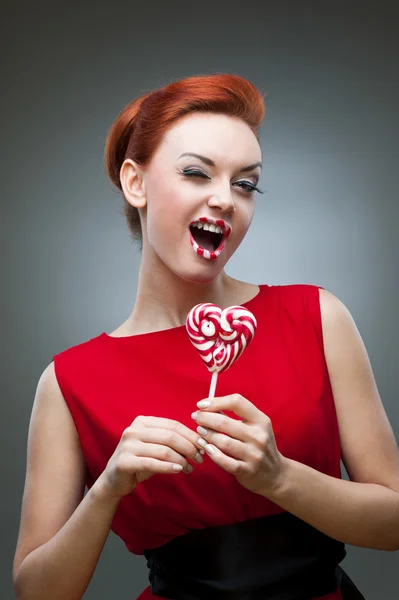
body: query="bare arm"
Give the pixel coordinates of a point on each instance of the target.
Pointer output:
(61, 535)
(364, 511)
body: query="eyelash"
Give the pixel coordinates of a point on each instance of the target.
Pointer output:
(196, 173)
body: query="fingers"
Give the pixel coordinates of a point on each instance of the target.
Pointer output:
(236, 403)
(222, 423)
(139, 464)
(170, 440)
(167, 424)
(163, 453)
(232, 447)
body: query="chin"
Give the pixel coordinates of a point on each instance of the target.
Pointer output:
(192, 268)
(201, 273)
(199, 278)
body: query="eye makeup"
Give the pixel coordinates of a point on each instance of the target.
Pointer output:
(249, 187)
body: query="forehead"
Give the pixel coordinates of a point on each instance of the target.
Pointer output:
(217, 136)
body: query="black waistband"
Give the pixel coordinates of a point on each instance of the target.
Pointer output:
(278, 557)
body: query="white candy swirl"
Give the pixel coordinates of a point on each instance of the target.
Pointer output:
(220, 336)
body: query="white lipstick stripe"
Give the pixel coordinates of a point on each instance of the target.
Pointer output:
(206, 253)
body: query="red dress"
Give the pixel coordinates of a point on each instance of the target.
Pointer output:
(107, 382)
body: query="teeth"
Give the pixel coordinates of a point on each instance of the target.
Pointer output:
(208, 227)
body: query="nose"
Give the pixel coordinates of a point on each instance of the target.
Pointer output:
(223, 201)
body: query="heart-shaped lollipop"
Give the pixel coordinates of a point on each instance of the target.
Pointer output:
(220, 336)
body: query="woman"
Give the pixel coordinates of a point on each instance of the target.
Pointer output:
(263, 512)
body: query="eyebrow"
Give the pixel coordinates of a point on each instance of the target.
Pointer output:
(210, 162)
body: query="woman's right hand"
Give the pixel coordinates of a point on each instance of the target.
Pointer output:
(149, 445)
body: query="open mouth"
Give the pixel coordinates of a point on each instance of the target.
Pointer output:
(208, 235)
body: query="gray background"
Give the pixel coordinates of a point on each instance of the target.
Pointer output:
(330, 215)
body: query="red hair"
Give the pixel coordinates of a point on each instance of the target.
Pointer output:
(140, 126)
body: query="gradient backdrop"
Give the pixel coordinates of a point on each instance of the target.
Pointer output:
(330, 215)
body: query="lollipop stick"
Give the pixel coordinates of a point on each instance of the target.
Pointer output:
(212, 389)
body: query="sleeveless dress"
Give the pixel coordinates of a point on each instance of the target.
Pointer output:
(107, 382)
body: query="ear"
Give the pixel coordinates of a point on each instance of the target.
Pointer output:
(132, 182)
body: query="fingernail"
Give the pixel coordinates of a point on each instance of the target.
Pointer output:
(202, 442)
(199, 458)
(190, 468)
(210, 449)
(203, 403)
(202, 430)
(194, 415)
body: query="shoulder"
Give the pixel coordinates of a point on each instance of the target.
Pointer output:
(333, 309)
(329, 316)
(338, 325)
(293, 290)
(345, 352)
(298, 300)
(48, 384)
(78, 361)
(327, 310)
(81, 349)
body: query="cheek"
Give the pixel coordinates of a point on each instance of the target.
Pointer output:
(245, 216)
(164, 219)
(159, 225)
(250, 215)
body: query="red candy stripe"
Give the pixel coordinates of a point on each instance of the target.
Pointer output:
(220, 336)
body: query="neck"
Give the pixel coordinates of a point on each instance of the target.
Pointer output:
(163, 299)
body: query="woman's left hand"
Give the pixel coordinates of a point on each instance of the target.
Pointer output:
(246, 448)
